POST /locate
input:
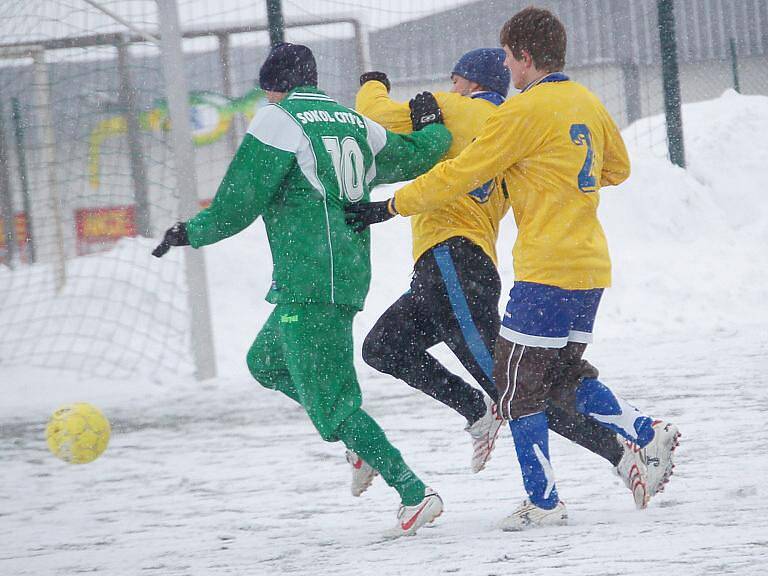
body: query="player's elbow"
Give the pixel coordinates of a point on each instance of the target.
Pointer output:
(616, 176)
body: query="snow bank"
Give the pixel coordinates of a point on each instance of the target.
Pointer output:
(688, 246)
(119, 313)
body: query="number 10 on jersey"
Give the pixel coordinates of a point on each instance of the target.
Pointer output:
(349, 165)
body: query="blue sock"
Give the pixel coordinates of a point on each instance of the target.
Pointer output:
(531, 437)
(596, 400)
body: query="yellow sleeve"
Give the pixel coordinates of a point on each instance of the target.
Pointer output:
(615, 159)
(508, 136)
(374, 102)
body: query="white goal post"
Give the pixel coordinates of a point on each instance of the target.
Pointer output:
(47, 205)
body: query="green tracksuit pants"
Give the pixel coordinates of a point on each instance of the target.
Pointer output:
(305, 351)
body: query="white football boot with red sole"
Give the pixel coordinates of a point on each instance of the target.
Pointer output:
(411, 518)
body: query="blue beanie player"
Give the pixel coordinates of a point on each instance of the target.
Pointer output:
(485, 66)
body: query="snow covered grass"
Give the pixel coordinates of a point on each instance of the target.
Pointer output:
(223, 477)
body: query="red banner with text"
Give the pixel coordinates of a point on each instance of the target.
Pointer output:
(100, 228)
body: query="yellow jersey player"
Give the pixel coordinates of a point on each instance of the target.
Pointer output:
(455, 290)
(555, 145)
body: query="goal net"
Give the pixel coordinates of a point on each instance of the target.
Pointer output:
(86, 181)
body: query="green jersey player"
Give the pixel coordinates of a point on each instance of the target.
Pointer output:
(305, 157)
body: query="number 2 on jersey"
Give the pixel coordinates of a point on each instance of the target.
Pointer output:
(581, 137)
(349, 165)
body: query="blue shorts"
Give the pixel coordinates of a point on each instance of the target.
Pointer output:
(549, 317)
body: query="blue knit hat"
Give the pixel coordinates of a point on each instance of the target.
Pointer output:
(486, 67)
(286, 67)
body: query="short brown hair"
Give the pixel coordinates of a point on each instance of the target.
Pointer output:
(538, 32)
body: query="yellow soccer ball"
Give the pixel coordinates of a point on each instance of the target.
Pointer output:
(77, 433)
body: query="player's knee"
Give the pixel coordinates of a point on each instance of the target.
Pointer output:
(258, 366)
(329, 431)
(328, 435)
(375, 352)
(578, 371)
(563, 394)
(567, 381)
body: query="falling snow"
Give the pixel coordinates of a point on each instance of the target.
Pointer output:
(224, 477)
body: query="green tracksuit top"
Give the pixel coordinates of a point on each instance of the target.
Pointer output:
(302, 160)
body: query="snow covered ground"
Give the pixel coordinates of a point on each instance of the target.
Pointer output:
(223, 477)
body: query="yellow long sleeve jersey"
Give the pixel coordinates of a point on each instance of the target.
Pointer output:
(475, 214)
(556, 145)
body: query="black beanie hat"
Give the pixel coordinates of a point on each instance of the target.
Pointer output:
(288, 66)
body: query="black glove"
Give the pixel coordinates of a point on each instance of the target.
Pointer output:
(424, 111)
(363, 214)
(377, 76)
(176, 235)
